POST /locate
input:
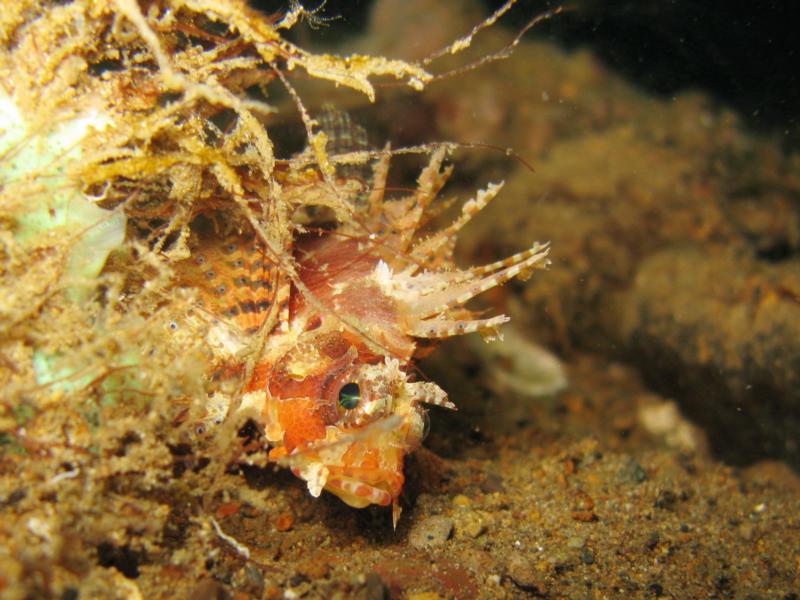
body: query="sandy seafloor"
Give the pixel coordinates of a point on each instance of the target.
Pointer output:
(656, 471)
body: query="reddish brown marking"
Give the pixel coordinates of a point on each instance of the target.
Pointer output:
(333, 345)
(313, 324)
(258, 381)
(227, 371)
(284, 521)
(391, 480)
(227, 509)
(363, 491)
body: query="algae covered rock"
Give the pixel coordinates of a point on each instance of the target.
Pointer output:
(721, 329)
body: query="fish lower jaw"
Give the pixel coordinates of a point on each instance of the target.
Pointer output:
(356, 493)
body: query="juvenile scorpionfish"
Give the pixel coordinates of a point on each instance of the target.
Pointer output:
(328, 338)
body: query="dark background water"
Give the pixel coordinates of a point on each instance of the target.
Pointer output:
(745, 54)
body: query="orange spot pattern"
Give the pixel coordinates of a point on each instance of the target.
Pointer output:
(300, 421)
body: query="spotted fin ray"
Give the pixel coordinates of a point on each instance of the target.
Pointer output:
(237, 282)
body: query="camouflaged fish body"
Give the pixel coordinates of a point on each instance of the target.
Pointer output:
(333, 379)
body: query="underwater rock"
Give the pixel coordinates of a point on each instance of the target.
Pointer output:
(722, 332)
(621, 176)
(430, 532)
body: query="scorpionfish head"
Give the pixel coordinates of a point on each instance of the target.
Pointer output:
(352, 437)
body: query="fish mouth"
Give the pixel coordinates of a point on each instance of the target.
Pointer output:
(358, 494)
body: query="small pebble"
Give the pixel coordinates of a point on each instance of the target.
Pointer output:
(631, 472)
(461, 501)
(562, 561)
(655, 589)
(375, 588)
(424, 596)
(584, 516)
(227, 509)
(666, 499)
(208, 589)
(14, 497)
(470, 523)
(491, 483)
(474, 528)
(652, 540)
(583, 501)
(272, 592)
(430, 532)
(522, 573)
(583, 507)
(315, 567)
(284, 521)
(747, 531)
(576, 541)
(254, 581)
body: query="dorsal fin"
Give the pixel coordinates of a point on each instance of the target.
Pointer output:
(346, 137)
(344, 134)
(237, 281)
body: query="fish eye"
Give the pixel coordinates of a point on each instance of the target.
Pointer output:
(349, 395)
